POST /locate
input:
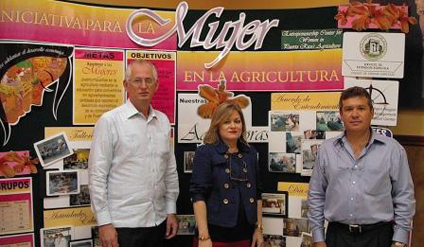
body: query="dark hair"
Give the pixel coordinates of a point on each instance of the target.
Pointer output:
(222, 114)
(353, 92)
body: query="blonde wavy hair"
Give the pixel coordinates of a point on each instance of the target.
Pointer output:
(222, 114)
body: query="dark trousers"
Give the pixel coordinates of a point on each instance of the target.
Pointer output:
(378, 235)
(142, 236)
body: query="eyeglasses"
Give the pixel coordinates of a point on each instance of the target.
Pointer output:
(138, 81)
(243, 177)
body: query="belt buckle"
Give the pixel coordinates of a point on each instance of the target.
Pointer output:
(355, 229)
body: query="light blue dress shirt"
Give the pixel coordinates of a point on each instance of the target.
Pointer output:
(376, 187)
(133, 179)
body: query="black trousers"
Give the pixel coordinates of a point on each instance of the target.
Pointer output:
(379, 235)
(142, 236)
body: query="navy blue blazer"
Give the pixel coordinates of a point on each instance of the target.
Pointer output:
(210, 182)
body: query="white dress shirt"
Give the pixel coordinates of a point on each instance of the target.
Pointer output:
(133, 179)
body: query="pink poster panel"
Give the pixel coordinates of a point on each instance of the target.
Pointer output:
(24, 240)
(14, 163)
(16, 206)
(262, 71)
(164, 99)
(78, 24)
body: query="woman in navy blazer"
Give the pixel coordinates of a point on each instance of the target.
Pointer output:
(225, 187)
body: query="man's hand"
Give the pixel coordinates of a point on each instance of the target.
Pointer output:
(171, 226)
(320, 244)
(108, 236)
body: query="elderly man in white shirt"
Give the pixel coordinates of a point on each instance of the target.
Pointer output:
(133, 178)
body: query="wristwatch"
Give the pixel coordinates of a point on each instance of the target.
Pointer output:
(399, 244)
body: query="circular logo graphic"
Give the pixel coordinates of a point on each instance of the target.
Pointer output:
(373, 46)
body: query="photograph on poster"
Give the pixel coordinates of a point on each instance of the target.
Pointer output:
(295, 227)
(62, 183)
(56, 237)
(275, 204)
(187, 224)
(282, 162)
(274, 241)
(78, 160)
(95, 236)
(188, 161)
(284, 121)
(304, 208)
(307, 240)
(313, 134)
(81, 243)
(310, 153)
(53, 149)
(329, 121)
(83, 198)
(293, 143)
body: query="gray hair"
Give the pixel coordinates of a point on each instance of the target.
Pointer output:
(141, 62)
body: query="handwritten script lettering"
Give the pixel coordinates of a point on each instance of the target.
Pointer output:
(196, 134)
(81, 216)
(232, 33)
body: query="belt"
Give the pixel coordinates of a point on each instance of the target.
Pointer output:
(356, 229)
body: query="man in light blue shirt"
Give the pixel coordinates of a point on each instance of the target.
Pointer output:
(133, 179)
(361, 183)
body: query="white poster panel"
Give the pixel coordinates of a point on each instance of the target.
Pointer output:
(257, 134)
(273, 225)
(293, 241)
(384, 95)
(332, 134)
(295, 206)
(192, 127)
(373, 54)
(82, 232)
(277, 142)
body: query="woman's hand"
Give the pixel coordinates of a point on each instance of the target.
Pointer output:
(205, 243)
(258, 239)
